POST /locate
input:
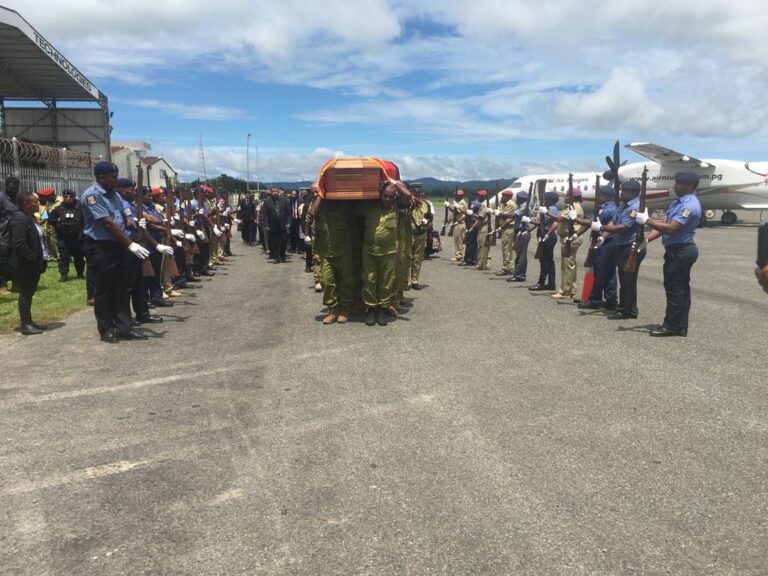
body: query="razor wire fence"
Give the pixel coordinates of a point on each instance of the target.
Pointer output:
(38, 166)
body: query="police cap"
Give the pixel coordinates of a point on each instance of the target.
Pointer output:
(689, 178)
(104, 167)
(551, 197)
(125, 183)
(607, 191)
(631, 186)
(522, 195)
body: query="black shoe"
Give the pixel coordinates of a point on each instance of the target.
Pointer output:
(30, 330)
(283, 260)
(516, 279)
(131, 335)
(552, 287)
(193, 279)
(621, 315)
(371, 317)
(180, 285)
(416, 286)
(63, 279)
(609, 305)
(590, 305)
(109, 337)
(161, 304)
(536, 288)
(207, 273)
(148, 319)
(381, 317)
(503, 273)
(663, 331)
(309, 270)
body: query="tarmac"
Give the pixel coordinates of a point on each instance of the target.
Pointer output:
(488, 430)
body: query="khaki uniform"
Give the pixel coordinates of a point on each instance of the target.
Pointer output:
(419, 240)
(317, 259)
(568, 270)
(165, 271)
(333, 242)
(379, 254)
(459, 231)
(508, 235)
(483, 242)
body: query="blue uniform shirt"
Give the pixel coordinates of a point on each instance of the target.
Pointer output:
(129, 212)
(195, 210)
(607, 212)
(474, 207)
(548, 221)
(158, 235)
(687, 211)
(98, 204)
(624, 215)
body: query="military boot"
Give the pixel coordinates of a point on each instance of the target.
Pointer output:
(333, 316)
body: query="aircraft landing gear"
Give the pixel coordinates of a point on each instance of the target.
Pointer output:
(729, 218)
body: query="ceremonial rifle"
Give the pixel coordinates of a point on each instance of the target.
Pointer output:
(198, 193)
(147, 271)
(170, 200)
(490, 237)
(595, 235)
(445, 218)
(569, 206)
(541, 185)
(631, 264)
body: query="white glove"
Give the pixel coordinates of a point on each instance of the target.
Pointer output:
(165, 220)
(190, 237)
(447, 204)
(163, 249)
(573, 238)
(599, 242)
(201, 212)
(454, 205)
(217, 231)
(595, 226)
(470, 213)
(308, 240)
(518, 212)
(424, 221)
(543, 210)
(496, 212)
(227, 226)
(642, 217)
(572, 215)
(143, 223)
(139, 251)
(200, 234)
(525, 220)
(238, 221)
(176, 233)
(177, 218)
(178, 243)
(228, 211)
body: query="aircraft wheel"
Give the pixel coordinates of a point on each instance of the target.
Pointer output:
(729, 218)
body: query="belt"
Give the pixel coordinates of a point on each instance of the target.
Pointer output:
(678, 245)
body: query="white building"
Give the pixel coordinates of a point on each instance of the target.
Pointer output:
(128, 155)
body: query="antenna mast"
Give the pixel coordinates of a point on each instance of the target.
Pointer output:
(201, 163)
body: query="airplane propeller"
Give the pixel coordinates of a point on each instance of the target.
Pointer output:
(612, 174)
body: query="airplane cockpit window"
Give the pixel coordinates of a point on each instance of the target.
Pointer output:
(516, 184)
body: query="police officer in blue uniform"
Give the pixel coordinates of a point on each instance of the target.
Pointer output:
(109, 252)
(680, 252)
(603, 294)
(547, 275)
(522, 237)
(471, 253)
(622, 231)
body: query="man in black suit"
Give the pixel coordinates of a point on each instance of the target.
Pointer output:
(276, 216)
(246, 213)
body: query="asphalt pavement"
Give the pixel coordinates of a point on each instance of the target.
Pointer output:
(488, 430)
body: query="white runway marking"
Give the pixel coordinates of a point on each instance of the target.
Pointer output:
(77, 476)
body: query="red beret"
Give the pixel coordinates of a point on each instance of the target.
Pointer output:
(46, 192)
(459, 192)
(156, 191)
(482, 193)
(506, 192)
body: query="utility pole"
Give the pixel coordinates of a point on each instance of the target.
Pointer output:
(247, 163)
(202, 177)
(257, 168)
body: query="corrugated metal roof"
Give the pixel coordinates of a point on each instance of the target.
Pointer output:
(32, 69)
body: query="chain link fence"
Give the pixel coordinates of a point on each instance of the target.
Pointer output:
(37, 166)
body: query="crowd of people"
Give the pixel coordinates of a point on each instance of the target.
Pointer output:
(614, 242)
(141, 246)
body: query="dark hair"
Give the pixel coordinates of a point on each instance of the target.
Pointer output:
(69, 192)
(21, 197)
(11, 180)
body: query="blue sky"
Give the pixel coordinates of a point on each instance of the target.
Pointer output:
(445, 88)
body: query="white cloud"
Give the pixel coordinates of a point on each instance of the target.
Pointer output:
(189, 111)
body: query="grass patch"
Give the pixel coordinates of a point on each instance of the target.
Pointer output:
(53, 300)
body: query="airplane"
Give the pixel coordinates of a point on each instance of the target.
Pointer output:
(725, 184)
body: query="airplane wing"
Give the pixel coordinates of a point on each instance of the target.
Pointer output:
(666, 156)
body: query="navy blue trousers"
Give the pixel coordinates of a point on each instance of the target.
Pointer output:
(678, 261)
